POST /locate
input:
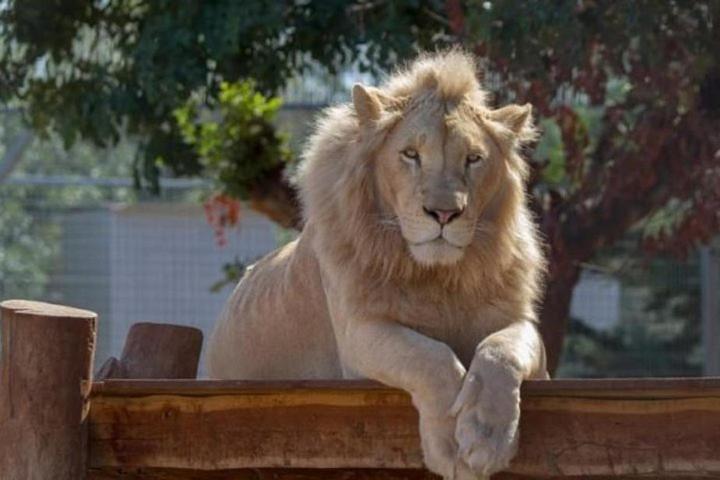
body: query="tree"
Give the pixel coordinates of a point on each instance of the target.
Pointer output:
(100, 68)
(649, 73)
(628, 93)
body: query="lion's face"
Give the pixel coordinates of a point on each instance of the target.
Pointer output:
(420, 178)
(436, 171)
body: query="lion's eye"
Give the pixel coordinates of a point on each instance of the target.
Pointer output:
(474, 158)
(411, 154)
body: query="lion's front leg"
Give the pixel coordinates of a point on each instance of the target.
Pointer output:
(427, 369)
(488, 405)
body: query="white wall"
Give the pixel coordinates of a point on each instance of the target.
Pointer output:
(163, 260)
(150, 262)
(596, 300)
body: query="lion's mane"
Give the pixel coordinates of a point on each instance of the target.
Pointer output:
(338, 192)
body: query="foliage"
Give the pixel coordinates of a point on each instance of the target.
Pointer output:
(232, 272)
(95, 69)
(28, 249)
(236, 143)
(29, 231)
(239, 143)
(633, 89)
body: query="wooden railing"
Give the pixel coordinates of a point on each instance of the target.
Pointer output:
(55, 423)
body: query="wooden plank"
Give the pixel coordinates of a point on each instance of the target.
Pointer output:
(622, 388)
(323, 430)
(47, 355)
(665, 428)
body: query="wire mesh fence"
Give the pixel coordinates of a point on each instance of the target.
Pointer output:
(641, 320)
(127, 258)
(102, 246)
(74, 230)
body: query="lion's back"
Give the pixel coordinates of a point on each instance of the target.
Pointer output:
(275, 324)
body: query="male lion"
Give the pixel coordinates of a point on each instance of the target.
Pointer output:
(418, 265)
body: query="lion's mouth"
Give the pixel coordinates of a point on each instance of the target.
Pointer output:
(438, 251)
(437, 242)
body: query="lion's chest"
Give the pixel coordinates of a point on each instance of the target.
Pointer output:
(461, 325)
(460, 322)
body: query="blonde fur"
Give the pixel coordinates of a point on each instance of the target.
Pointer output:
(359, 295)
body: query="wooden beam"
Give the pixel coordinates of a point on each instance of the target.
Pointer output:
(588, 428)
(617, 388)
(47, 354)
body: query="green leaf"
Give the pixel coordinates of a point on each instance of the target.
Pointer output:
(550, 149)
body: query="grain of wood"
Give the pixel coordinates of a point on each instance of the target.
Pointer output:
(568, 428)
(46, 361)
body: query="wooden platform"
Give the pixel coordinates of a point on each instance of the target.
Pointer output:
(56, 423)
(634, 428)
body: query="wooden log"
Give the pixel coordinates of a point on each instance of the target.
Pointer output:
(154, 350)
(581, 429)
(47, 356)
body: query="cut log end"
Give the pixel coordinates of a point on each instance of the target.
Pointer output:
(46, 361)
(50, 310)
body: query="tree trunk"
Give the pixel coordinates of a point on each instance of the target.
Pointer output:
(274, 196)
(555, 308)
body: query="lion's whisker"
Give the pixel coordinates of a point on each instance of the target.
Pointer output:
(389, 221)
(390, 224)
(484, 228)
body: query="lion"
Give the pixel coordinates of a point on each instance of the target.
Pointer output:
(418, 265)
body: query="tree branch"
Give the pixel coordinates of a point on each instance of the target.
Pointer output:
(670, 169)
(273, 196)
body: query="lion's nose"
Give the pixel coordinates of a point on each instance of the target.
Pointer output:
(443, 217)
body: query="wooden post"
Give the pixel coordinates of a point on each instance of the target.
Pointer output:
(156, 350)
(47, 356)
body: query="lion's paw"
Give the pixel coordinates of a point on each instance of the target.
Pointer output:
(486, 432)
(464, 472)
(438, 445)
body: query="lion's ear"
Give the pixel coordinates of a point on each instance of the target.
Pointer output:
(518, 119)
(367, 104)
